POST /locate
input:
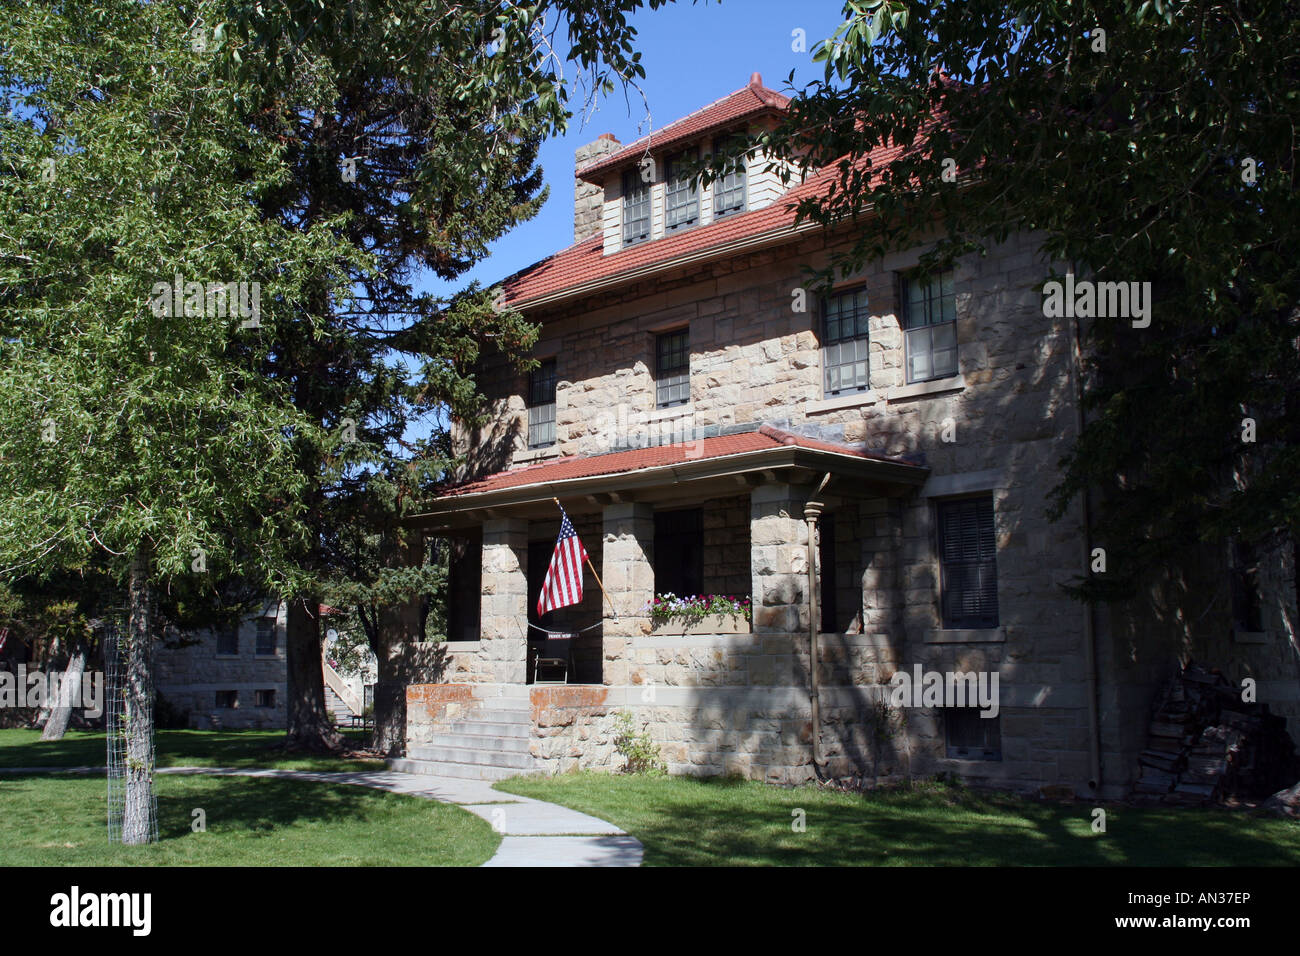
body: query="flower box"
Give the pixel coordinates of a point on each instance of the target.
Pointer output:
(709, 624)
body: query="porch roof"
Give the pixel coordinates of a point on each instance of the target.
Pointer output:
(762, 452)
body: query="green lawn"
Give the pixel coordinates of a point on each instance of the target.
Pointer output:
(174, 748)
(59, 820)
(728, 822)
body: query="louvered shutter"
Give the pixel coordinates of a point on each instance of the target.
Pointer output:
(968, 560)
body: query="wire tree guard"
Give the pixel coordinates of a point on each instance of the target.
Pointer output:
(128, 704)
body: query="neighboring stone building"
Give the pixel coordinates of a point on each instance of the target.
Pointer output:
(230, 678)
(697, 409)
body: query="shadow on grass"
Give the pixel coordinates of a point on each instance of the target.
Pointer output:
(60, 820)
(174, 748)
(733, 822)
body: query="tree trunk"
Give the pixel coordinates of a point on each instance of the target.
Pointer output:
(390, 715)
(395, 626)
(69, 696)
(47, 666)
(137, 691)
(309, 725)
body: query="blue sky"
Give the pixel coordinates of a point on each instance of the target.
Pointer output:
(693, 54)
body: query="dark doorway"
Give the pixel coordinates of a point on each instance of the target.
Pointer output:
(464, 590)
(826, 559)
(679, 552)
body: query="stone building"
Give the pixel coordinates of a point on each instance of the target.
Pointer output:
(229, 678)
(699, 411)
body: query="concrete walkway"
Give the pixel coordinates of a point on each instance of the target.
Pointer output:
(534, 833)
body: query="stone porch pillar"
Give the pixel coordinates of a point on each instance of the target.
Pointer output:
(503, 618)
(628, 572)
(778, 540)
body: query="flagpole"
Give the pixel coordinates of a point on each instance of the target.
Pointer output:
(593, 568)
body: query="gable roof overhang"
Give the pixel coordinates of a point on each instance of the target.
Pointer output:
(852, 475)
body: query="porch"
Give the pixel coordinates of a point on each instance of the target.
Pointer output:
(728, 516)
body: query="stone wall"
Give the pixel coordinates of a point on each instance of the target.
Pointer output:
(430, 708)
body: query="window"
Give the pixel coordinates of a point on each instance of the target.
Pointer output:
(681, 197)
(673, 368)
(845, 343)
(970, 736)
(264, 698)
(228, 641)
(265, 636)
(729, 190)
(930, 324)
(636, 207)
(679, 552)
(1246, 615)
(227, 699)
(967, 557)
(541, 405)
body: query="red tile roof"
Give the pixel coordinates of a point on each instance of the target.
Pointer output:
(750, 100)
(585, 262)
(660, 456)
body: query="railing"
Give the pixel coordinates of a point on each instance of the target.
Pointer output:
(336, 683)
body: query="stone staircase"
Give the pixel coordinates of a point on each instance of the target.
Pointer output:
(491, 745)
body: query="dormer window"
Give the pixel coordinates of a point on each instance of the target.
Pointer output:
(681, 197)
(636, 207)
(729, 191)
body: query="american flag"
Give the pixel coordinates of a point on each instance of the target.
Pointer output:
(563, 584)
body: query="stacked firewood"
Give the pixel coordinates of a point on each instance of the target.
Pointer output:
(1208, 744)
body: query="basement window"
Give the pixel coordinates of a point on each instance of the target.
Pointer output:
(227, 699)
(970, 736)
(264, 698)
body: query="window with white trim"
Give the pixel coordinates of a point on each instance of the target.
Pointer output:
(845, 342)
(930, 326)
(729, 190)
(541, 405)
(673, 368)
(681, 195)
(636, 207)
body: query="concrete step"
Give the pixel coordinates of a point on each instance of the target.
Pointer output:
(490, 728)
(470, 755)
(461, 771)
(500, 716)
(489, 742)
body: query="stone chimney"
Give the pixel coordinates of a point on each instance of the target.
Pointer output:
(589, 199)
